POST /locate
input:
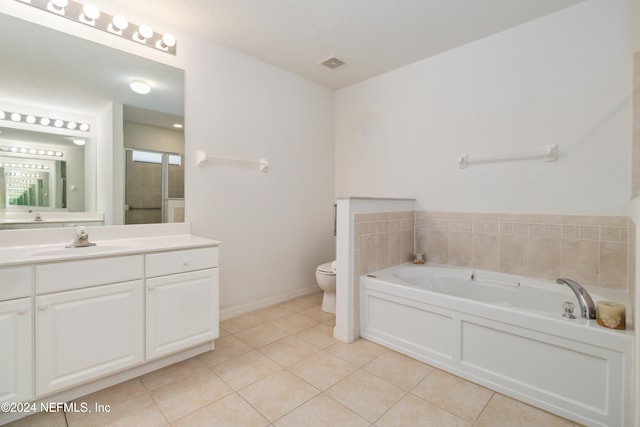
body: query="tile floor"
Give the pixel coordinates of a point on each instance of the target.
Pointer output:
(280, 366)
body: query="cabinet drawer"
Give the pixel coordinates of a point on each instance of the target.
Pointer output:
(164, 263)
(86, 273)
(15, 282)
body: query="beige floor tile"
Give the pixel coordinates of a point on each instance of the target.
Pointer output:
(278, 394)
(246, 369)
(320, 335)
(288, 351)
(223, 332)
(140, 411)
(261, 335)
(109, 396)
(413, 411)
(322, 411)
(226, 348)
(331, 323)
(305, 302)
(359, 352)
(185, 395)
(322, 370)
(444, 390)
(240, 323)
(294, 323)
(399, 370)
(503, 411)
(41, 419)
(318, 314)
(365, 394)
(171, 373)
(231, 411)
(274, 312)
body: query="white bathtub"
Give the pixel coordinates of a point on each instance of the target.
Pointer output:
(506, 333)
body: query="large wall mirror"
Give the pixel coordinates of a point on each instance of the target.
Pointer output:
(58, 171)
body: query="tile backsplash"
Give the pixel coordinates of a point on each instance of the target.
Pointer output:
(594, 250)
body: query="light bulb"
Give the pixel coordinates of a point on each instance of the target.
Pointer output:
(118, 23)
(84, 127)
(2, 115)
(79, 141)
(44, 121)
(91, 11)
(57, 6)
(58, 123)
(16, 117)
(144, 32)
(30, 119)
(72, 125)
(168, 40)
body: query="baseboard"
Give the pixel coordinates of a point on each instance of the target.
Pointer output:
(236, 310)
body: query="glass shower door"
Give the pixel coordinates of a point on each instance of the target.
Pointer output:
(154, 190)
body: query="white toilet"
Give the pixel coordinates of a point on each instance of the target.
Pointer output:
(326, 278)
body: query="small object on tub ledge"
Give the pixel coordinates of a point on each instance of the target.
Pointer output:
(418, 258)
(611, 314)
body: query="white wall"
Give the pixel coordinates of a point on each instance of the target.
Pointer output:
(276, 227)
(562, 79)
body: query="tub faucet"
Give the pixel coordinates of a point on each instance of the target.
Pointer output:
(81, 240)
(587, 307)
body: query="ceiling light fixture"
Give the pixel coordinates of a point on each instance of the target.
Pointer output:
(79, 141)
(138, 86)
(178, 125)
(89, 14)
(32, 119)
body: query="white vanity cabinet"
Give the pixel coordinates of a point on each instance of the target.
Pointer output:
(16, 330)
(89, 320)
(181, 300)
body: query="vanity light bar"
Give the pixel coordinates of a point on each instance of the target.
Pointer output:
(24, 166)
(44, 121)
(89, 14)
(25, 175)
(32, 151)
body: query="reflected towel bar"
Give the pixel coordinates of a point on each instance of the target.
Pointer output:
(549, 154)
(202, 159)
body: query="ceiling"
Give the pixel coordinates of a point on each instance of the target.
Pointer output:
(371, 36)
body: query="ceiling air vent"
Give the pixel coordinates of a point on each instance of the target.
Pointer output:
(332, 62)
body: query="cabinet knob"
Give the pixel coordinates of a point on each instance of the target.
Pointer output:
(151, 287)
(43, 307)
(185, 262)
(22, 310)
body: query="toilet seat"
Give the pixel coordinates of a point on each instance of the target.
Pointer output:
(326, 269)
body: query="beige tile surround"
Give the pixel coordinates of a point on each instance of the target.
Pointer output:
(594, 250)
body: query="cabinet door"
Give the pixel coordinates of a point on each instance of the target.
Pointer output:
(88, 333)
(16, 356)
(182, 311)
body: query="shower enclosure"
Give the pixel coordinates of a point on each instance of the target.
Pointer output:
(154, 187)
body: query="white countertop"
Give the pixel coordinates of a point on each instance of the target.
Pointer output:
(20, 246)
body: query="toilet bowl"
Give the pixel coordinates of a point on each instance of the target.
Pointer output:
(326, 278)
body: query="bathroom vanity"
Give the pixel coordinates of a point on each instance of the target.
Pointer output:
(75, 320)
